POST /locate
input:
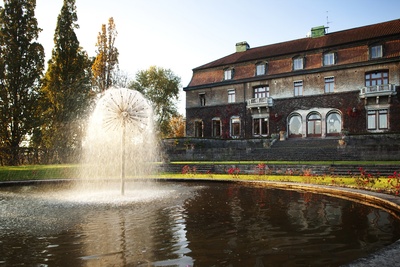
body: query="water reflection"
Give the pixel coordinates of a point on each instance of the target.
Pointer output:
(195, 224)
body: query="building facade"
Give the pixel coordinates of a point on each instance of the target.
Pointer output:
(318, 86)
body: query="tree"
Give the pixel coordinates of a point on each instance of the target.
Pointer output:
(21, 66)
(106, 60)
(161, 87)
(65, 91)
(177, 126)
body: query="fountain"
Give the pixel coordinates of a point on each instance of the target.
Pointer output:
(113, 218)
(119, 132)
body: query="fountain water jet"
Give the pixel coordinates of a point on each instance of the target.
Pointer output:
(120, 124)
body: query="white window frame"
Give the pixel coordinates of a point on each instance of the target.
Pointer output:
(329, 84)
(377, 119)
(231, 96)
(298, 63)
(333, 127)
(261, 91)
(329, 59)
(376, 51)
(261, 69)
(228, 74)
(298, 88)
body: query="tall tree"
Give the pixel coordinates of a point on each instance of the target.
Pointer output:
(106, 61)
(21, 65)
(66, 89)
(161, 87)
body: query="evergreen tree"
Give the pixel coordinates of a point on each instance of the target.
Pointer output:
(65, 91)
(21, 66)
(106, 61)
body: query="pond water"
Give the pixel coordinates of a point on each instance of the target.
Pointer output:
(186, 224)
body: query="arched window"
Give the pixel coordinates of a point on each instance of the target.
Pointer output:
(295, 126)
(333, 123)
(314, 124)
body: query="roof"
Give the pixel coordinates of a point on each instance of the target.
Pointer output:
(369, 32)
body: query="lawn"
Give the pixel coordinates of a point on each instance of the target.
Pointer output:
(389, 184)
(37, 172)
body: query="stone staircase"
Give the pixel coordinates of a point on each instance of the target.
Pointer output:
(310, 149)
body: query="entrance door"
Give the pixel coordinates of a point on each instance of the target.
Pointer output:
(314, 125)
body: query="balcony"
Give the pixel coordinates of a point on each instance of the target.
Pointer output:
(378, 90)
(260, 102)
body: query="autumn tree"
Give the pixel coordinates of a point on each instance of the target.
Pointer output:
(65, 90)
(161, 87)
(177, 126)
(21, 65)
(106, 61)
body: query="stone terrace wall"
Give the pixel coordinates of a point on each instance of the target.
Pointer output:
(363, 147)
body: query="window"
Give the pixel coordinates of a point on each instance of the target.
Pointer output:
(375, 51)
(377, 119)
(383, 118)
(228, 74)
(298, 88)
(329, 84)
(298, 63)
(314, 124)
(261, 92)
(198, 128)
(202, 98)
(329, 59)
(231, 96)
(261, 69)
(333, 123)
(235, 126)
(260, 126)
(377, 78)
(216, 127)
(295, 126)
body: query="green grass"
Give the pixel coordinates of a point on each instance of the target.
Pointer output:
(374, 184)
(41, 172)
(37, 172)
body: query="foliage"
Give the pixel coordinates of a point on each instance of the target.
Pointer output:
(21, 64)
(106, 60)
(190, 171)
(161, 87)
(234, 172)
(177, 126)
(65, 92)
(394, 182)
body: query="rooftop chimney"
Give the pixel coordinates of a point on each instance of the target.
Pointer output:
(318, 31)
(242, 46)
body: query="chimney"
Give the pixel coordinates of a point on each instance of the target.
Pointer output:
(242, 46)
(318, 31)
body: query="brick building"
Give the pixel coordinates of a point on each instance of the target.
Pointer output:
(316, 86)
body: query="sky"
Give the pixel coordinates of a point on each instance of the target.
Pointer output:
(183, 34)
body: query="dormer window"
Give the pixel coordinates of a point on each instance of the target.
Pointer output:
(298, 63)
(375, 51)
(228, 74)
(329, 59)
(261, 68)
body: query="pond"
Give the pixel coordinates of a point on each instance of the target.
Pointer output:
(186, 224)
